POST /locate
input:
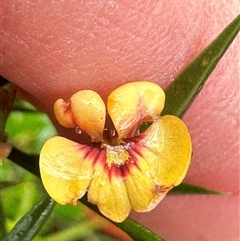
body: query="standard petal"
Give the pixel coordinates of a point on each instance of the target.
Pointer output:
(142, 186)
(89, 113)
(133, 103)
(166, 146)
(66, 170)
(109, 194)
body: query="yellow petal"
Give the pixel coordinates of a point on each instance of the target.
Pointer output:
(89, 113)
(63, 113)
(66, 169)
(166, 146)
(109, 194)
(143, 188)
(132, 103)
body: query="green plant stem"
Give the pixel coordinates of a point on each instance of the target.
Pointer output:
(138, 233)
(76, 232)
(28, 162)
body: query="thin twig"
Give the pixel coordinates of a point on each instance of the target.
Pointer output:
(26, 161)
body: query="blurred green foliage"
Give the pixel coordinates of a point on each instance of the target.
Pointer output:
(27, 128)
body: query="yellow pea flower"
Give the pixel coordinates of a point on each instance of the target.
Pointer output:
(125, 169)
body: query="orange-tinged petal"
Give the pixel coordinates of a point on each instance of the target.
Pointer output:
(65, 170)
(142, 186)
(5, 150)
(109, 194)
(89, 113)
(63, 113)
(166, 146)
(133, 103)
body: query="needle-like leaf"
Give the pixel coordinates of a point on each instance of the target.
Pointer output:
(28, 226)
(181, 93)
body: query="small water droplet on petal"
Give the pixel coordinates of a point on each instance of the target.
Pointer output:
(78, 130)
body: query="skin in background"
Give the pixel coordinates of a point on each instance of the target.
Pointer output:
(51, 49)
